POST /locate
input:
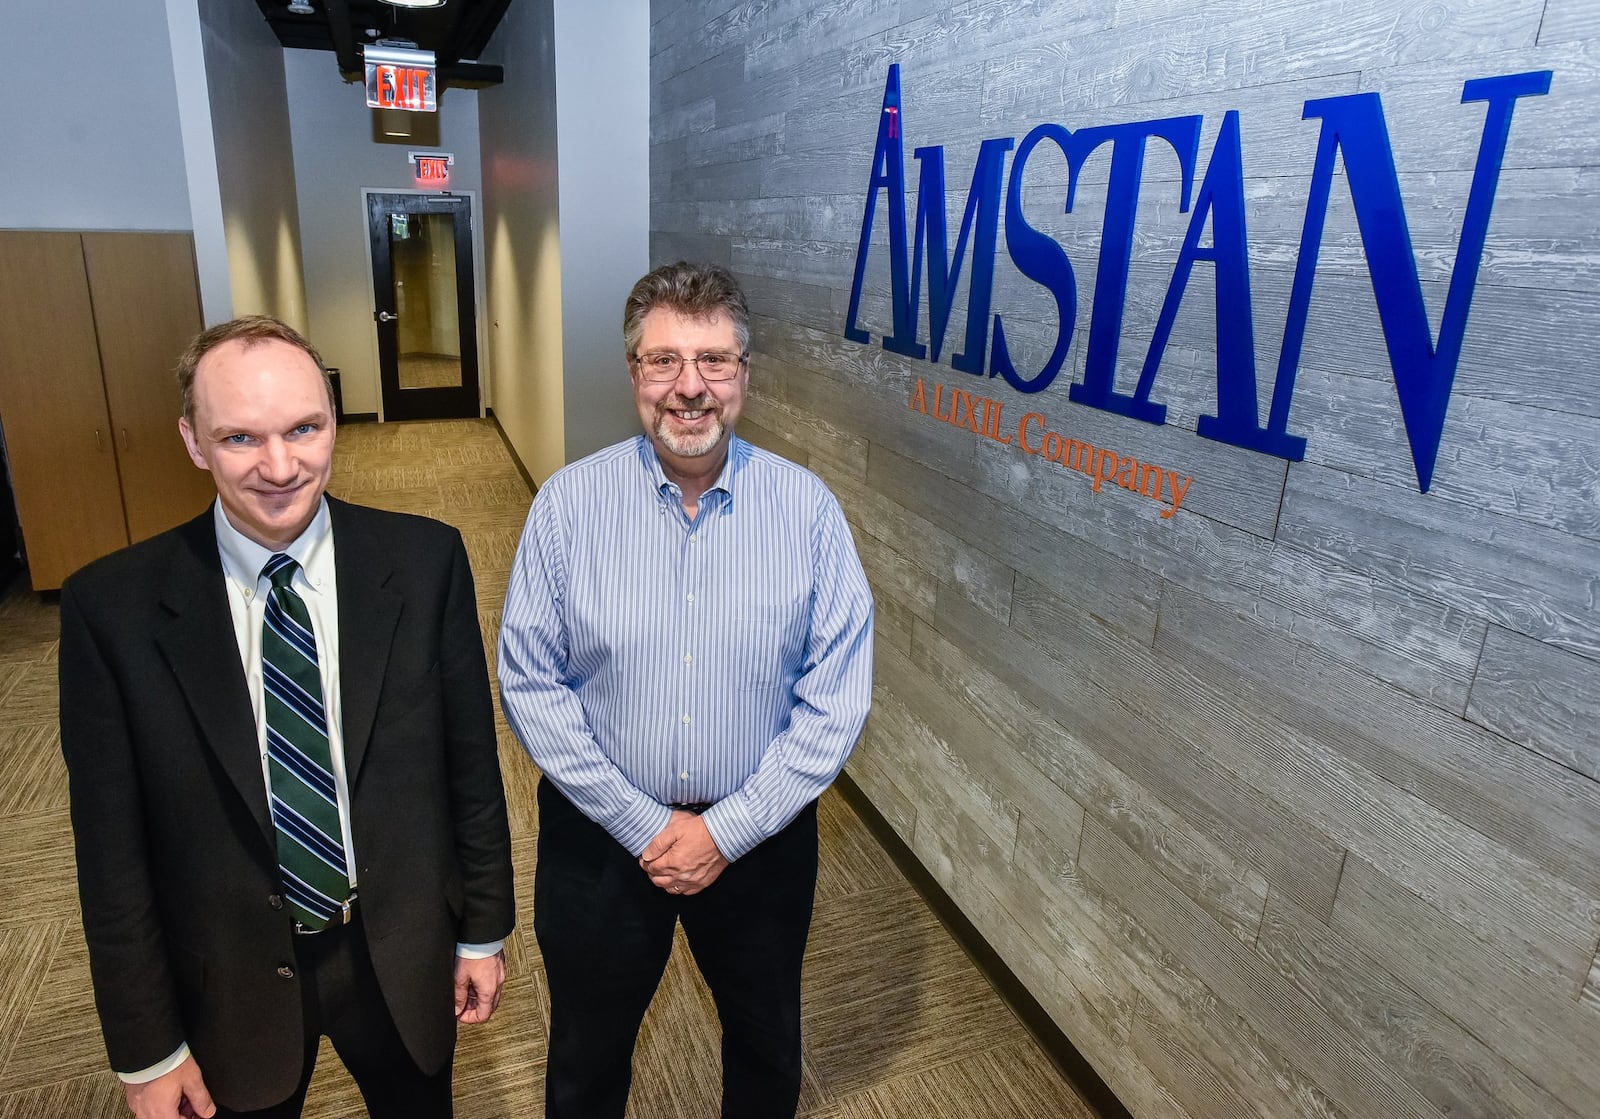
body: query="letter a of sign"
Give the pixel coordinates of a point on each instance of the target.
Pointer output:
(888, 174)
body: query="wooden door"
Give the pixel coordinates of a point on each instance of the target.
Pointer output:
(53, 407)
(146, 310)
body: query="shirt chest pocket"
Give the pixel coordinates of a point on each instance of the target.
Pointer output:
(765, 642)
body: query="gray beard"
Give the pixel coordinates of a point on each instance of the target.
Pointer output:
(685, 445)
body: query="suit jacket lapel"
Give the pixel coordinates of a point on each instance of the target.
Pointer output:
(368, 614)
(202, 650)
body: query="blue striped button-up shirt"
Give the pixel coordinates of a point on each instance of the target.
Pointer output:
(648, 660)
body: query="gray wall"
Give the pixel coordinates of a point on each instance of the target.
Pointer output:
(86, 154)
(112, 127)
(1286, 804)
(603, 128)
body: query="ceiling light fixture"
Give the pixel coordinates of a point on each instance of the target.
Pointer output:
(415, 3)
(301, 8)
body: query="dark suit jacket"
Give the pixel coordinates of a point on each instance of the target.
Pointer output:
(177, 867)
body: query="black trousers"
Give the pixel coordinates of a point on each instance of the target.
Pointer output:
(605, 933)
(341, 998)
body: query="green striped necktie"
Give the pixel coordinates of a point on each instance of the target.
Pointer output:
(305, 806)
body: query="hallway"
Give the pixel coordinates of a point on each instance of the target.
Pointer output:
(899, 1023)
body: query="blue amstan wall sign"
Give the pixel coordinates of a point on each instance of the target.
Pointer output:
(1352, 126)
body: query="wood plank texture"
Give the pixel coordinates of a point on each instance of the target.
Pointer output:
(1350, 1074)
(1533, 807)
(1286, 803)
(1548, 1038)
(1302, 860)
(1539, 582)
(1545, 699)
(1455, 1071)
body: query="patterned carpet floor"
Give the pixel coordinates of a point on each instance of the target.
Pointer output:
(899, 1023)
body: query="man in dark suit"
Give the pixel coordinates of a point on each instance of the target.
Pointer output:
(285, 793)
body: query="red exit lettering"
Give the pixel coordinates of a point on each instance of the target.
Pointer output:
(401, 87)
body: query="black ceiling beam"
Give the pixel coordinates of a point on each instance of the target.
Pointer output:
(478, 26)
(344, 40)
(444, 31)
(470, 75)
(458, 31)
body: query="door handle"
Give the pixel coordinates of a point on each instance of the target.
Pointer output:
(385, 316)
(124, 439)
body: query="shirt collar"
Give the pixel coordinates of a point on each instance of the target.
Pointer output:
(651, 462)
(243, 558)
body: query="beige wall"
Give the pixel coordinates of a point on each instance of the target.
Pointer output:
(522, 237)
(1285, 804)
(565, 143)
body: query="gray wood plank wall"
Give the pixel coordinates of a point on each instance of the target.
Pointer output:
(1287, 804)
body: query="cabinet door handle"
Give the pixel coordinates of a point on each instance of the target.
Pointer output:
(99, 442)
(124, 439)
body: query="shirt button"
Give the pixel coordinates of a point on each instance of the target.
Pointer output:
(688, 658)
(248, 595)
(285, 971)
(684, 776)
(275, 901)
(686, 718)
(690, 596)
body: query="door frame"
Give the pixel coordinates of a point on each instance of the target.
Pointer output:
(479, 294)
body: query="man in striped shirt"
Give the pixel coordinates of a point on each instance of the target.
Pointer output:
(686, 652)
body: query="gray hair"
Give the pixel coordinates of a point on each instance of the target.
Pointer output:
(694, 290)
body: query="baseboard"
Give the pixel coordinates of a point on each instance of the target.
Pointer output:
(1074, 1067)
(533, 487)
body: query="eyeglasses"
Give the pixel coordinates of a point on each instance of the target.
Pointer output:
(717, 365)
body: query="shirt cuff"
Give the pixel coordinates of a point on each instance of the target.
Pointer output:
(145, 1075)
(732, 828)
(640, 824)
(480, 951)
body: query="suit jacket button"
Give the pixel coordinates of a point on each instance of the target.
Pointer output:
(286, 971)
(275, 901)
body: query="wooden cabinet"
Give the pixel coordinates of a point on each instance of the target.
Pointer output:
(91, 326)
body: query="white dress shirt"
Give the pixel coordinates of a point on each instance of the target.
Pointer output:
(316, 582)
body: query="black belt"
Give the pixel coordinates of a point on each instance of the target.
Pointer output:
(697, 809)
(345, 914)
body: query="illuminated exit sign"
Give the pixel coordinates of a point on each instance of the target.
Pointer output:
(400, 78)
(432, 169)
